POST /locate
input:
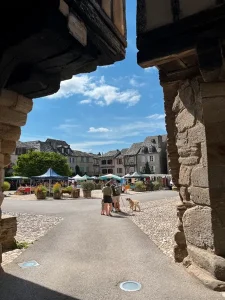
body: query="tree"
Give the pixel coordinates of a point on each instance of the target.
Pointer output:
(36, 163)
(147, 169)
(78, 171)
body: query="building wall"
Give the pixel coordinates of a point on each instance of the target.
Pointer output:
(85, 164)
(119, 165)
(154, 160)
(130, 164)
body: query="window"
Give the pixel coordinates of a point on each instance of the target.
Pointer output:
(103, 162)
(109, 162)
(73, 160)
(119, 161)
(87, 159)
(140, 169)
(152, 168)
(110, 171)
(151, 158)
(104, 171)
(119, 170)
(62, 150)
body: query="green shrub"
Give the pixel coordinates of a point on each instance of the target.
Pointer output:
(57, 188)
(5, 186)
(41, 189)
(69, 188)
(88, 186)
(139, 186)
(149, 186)
(156, 185)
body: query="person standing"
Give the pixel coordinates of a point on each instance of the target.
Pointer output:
(116, 196)
(107, 199)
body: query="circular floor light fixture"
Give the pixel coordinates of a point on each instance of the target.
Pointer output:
(130, 286)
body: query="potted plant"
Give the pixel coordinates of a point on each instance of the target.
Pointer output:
(41, 192)
(139, 186)
(87, 187)
(57, 191)
(5, 186)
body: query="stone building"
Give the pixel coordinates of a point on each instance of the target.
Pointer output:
(152, 150)
(84, 160)
(113, 162)
(185, 42)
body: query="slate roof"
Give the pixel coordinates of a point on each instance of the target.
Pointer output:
(81, 154)
(123, 151)
(134, 149)
(58, 142)
(29, 145)
(112, 153)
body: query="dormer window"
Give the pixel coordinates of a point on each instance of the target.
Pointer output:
(145, 150)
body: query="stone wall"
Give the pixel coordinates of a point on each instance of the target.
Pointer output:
(13, 114)
(195, 125)
(8, 232)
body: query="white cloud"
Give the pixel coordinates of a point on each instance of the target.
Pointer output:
(135, 83)
(156, 117)
(97, 90)
(85, 101)
(151, 70)
(100, 129)
(85, 146)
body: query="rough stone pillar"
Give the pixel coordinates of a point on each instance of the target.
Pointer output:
(13, 114)
(199, 114)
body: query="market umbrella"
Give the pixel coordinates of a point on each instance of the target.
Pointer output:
(137, 175)
(85, 177)
(77, 177)
(127, 176)
(16, 178)
(110, 176)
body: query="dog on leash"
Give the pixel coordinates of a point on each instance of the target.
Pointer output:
(134, 204)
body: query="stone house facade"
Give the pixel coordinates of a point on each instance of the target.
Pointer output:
(113, 162)
(84, 160)
(152, 150)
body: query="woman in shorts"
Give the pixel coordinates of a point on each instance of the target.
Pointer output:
(107, 199)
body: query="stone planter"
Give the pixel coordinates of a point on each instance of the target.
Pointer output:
(75, 193)
(57, 195)
(41, 195)
(87, 194)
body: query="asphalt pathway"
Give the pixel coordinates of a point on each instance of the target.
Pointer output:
(87, 255)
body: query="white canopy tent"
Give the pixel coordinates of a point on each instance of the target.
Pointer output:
(77, 178)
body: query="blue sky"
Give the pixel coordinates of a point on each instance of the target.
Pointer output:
(108, 109)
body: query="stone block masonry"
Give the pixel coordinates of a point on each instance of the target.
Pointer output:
(198, 164)
(13, 114)
(8, 232)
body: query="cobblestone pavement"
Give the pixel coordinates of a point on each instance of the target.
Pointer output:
(29, 229)
(158, 220)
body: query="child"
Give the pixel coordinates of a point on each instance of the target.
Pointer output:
(103, 211)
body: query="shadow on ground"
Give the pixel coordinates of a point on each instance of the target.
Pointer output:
(14, 288)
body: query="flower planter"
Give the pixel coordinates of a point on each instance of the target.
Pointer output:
(75, 193)
(87, 194)
(41, 195)
(57, 195)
